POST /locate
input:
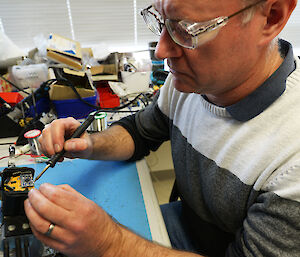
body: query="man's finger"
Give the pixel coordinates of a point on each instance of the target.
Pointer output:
(66, 199)
(60, 129)
(48, 210)
(49, 241)
(67, 188)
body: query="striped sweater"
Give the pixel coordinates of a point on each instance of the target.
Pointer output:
(240, 174)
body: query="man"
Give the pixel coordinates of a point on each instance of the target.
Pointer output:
(229, 108)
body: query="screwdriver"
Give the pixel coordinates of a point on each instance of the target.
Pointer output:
(78, 132)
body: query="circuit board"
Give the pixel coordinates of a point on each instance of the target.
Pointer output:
(19, 183)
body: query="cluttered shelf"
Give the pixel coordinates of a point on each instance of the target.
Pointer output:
(65, 80)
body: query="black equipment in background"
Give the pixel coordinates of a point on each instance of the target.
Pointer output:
(10, 117)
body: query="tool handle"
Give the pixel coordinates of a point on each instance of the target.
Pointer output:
(78, 132)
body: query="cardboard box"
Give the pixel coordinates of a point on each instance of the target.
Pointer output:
(65, 51)
(107, 69)
(61, 92)
(80, 82)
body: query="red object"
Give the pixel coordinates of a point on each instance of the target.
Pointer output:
(107, 99)
(32, 133)
(11, 97)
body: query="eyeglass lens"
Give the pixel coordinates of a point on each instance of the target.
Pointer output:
(179, 30)
(178, 33)
(153, 21)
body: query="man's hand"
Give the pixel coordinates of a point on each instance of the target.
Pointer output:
(53, 139)
(114, 143)
(81, 228)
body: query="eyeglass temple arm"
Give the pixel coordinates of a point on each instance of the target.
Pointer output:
(244, 9)
(146, 9)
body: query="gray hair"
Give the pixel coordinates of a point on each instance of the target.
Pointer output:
(248, 14)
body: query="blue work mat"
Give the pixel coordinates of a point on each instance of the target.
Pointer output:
(113, 185)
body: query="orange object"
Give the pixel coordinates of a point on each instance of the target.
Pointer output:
(11, 97)
(107, 99)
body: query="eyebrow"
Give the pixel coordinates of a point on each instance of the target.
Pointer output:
(163, 16)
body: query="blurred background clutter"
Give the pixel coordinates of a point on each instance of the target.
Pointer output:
(80, 56)
(59, 78)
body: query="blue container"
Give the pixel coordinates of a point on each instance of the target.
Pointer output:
(42, 105)
(74, 107)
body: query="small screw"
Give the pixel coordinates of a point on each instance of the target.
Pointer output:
(25, 226)
(11, 227)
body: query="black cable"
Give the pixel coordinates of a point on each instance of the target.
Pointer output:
(4, 109)
(116, 111)
(144, 103)
(14, 85)
(28, 101)
(148, 98)
(70, 84)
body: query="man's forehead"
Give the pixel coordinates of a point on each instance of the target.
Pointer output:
(191, 9)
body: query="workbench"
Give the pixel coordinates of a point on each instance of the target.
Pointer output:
(123, 189)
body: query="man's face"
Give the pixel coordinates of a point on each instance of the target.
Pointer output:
(216, 67)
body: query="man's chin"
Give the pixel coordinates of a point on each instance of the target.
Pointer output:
(182, 85)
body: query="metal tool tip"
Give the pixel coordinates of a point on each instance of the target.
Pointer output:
(44, 170)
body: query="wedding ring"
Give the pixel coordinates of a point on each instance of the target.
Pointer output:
(51, 227)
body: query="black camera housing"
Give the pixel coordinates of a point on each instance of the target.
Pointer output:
(15, 185)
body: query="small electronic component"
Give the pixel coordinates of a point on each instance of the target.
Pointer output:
(12, 156)
(19, 183)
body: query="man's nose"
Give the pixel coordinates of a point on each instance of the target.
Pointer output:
(166, 47)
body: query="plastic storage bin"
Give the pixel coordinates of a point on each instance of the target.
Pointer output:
(42, 105)
(74, 107)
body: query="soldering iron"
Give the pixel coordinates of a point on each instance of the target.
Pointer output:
(78, 132)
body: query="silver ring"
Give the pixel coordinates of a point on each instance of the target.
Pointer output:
(51, 227)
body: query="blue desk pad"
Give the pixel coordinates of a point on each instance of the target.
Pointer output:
(113, 185)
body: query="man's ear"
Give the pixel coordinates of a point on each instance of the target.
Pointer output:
(276, 13)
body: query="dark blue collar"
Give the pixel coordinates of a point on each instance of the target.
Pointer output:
(260, 99)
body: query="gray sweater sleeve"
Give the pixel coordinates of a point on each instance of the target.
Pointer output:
(270, 228)
(149, 128)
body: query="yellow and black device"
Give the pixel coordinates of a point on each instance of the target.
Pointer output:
(15, 185)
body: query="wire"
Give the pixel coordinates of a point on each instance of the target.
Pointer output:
(70, 84)
(1, 158)
(24, 105)
(121, 111)
(18, 155)
(14, 85)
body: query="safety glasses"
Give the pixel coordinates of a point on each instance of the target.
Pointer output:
(186, 33)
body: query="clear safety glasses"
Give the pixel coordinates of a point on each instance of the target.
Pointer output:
(186, 33)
